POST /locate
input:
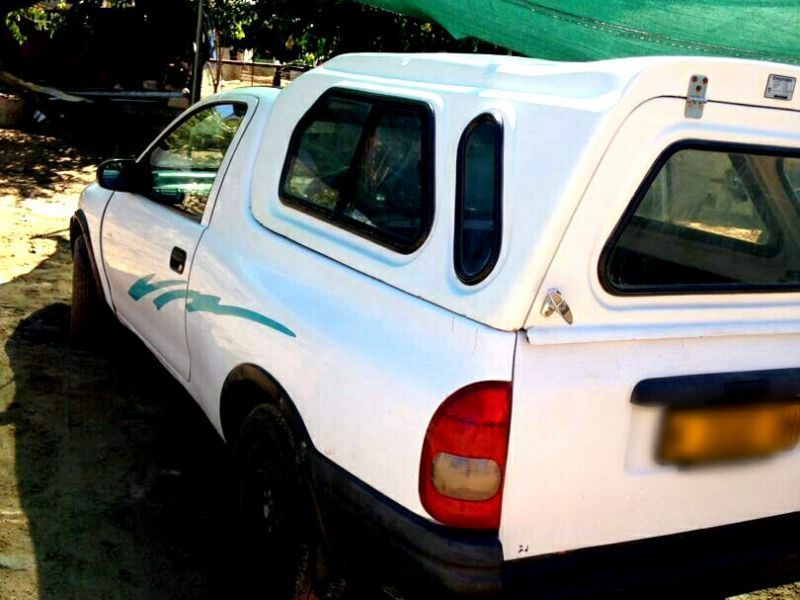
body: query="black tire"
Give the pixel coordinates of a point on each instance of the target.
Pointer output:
(277, 531)
(88, 306)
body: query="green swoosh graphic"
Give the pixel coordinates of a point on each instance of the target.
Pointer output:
(141, 287)
(197, 302)
(168, 297)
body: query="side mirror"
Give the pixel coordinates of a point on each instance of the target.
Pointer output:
(120, 175)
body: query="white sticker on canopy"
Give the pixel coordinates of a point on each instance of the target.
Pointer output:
(780, 87)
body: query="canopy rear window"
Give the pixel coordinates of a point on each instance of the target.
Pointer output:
(710, 218)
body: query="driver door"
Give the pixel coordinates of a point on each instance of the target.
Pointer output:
(149, 239)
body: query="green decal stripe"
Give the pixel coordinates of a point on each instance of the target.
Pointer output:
(197, 302)
(167, 297)
(141, 287)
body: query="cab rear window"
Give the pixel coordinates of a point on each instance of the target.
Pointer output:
(364, 163)
(709, 219)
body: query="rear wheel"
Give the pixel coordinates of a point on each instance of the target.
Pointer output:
(88, 306)
(275, 516)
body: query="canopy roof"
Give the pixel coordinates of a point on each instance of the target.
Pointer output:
(592, 29)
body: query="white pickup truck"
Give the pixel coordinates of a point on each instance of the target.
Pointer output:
(488, 325)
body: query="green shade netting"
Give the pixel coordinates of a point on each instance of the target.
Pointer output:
(596, 29)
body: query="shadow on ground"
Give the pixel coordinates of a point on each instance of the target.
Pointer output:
(47, 166)
(64, 151)
(117, 471)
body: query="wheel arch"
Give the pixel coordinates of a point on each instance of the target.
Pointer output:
(79, 227)
(248, 386)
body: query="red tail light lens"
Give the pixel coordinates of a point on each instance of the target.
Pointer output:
(464, 456)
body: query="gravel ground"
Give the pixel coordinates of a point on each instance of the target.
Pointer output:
(110, 477)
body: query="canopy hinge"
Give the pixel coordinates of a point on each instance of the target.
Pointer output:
(554, 303)
(696, 96)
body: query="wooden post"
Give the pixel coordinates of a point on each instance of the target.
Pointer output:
(197, 76)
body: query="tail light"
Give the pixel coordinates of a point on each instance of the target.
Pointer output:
(464, 456)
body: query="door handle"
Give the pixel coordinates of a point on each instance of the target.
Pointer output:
(177, 260)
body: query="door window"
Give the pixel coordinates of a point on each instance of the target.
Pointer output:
(183, 166)
(709, 219)
(364, 163)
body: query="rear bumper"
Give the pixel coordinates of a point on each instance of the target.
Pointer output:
(427, 560)
(388, 542)
(715, 562)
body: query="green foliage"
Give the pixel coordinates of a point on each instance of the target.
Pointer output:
(54, 16)
(40, 18)
(230, 17)
(310, 31)
(307, 31)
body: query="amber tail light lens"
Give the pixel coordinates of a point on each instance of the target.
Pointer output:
(464, 456)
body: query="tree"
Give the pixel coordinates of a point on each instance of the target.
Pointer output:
(43, 19)
(291, 30)
(115, 48)
(310, 31)
(228, 19)
(48, 17)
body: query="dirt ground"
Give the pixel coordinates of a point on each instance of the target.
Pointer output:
(110, 477)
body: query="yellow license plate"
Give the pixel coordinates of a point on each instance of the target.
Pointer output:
(693, 435)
